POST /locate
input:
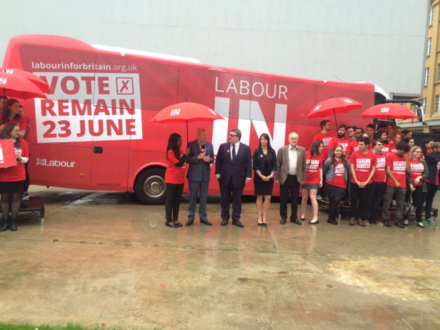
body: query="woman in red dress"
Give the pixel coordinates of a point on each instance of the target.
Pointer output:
(12, 178)
(174, 179)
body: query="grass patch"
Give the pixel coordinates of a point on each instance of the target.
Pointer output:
(55, 240)
(82, 242)
(227, 249)
(70, 326)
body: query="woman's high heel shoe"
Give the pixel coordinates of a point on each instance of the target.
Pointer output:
(170, 224)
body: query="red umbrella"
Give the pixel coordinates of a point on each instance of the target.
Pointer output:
(388, 111)
(40, 83)
(184, 113)
(334, 106)
(18, 87)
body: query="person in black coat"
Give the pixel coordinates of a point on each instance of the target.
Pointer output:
(265, 166)
(233, 169)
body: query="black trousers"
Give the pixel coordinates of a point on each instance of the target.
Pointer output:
(417, 198)
(375, 197)
(291, 185)
(361, 195)
(228, 194)
(432, 190)
(172, 203)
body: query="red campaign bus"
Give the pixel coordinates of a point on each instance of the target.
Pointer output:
(93, 131)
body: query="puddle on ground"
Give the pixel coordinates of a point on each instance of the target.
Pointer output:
(403, 278)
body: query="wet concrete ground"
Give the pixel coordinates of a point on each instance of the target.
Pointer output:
(103, 259)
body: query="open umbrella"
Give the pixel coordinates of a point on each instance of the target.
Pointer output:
(40, 83)
(18, 87)
(185, 112)
(387, 111)
(334, 106)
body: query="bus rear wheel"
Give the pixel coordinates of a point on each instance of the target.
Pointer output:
(150, 186)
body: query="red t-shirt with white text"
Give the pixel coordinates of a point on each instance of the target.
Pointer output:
(363, 164)
(313, 165)
(379, 174)
(417, 169)
(352, 147)
(325, 138)
(338, 179)
(343, 142)
(397, 166)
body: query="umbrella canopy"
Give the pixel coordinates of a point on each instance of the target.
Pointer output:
(186, 112)
(334, 106)
(18, 87)
(40, 83)
(388, 111)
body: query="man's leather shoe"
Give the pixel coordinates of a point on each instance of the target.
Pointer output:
(397, 223)
(189, 223)
(224, 222)
(237, 223)
(206, 222)
(386, 223)
(4, 226)
(332, 222)
(283, 221)
(296, 221)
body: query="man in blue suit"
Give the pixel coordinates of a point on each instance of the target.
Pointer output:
(233, 169)
(200, 159)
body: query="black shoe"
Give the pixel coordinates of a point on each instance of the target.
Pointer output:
(170, 224)
(332, 222)
(399, 224)
(206, 222)
(313, 223)
(283, 221)
(178, 224)
(12, 225)
(189, 223)
(302, 219)
(296, 221)
(237, 223)
(386, 223)
(224, 222)
(4, 226)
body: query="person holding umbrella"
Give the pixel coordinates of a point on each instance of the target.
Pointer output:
(339, 140)
(174, 179)
(12, 178)
(11, 114)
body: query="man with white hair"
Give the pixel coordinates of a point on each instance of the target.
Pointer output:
(290, 175)
(200, 159)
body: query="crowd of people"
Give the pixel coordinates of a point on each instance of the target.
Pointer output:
(366, 169)
(14, 180)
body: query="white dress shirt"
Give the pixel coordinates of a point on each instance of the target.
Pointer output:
(237, 145)
(293, 160)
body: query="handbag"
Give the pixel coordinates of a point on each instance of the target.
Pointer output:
(408, 207)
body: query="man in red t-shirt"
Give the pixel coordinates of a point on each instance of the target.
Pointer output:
(325, 137)
(396, 184)
(363, 165)
(354, 145)
(339, 139)
(378, 183)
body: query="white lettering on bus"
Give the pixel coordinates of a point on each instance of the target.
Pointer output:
(258, 89)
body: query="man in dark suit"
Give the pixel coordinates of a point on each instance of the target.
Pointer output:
(200, 159)
(291, 173)
(233, 169)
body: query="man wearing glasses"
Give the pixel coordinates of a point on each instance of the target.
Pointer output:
(233, 169)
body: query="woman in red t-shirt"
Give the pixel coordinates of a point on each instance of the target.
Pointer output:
(11, 114)
(383, 136)
(174, 179)
(12, 178)
(336, 173)
(417, 171)
(313, 180)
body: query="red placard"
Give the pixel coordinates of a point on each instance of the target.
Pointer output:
(7, 153)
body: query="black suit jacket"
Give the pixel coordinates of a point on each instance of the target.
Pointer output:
(259, 161)
(240, 169)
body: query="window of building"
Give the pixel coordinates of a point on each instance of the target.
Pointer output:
(428, 47)
(438, 73)
(437, 101)
(426, 76)
(431, 16)
(423, 102)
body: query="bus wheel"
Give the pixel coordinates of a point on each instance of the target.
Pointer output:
(150, 186)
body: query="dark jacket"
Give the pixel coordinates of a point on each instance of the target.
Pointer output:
(259, 160)
(199, 170)
(240, 169)
(431, 160)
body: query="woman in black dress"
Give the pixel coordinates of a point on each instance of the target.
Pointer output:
(265, 163)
